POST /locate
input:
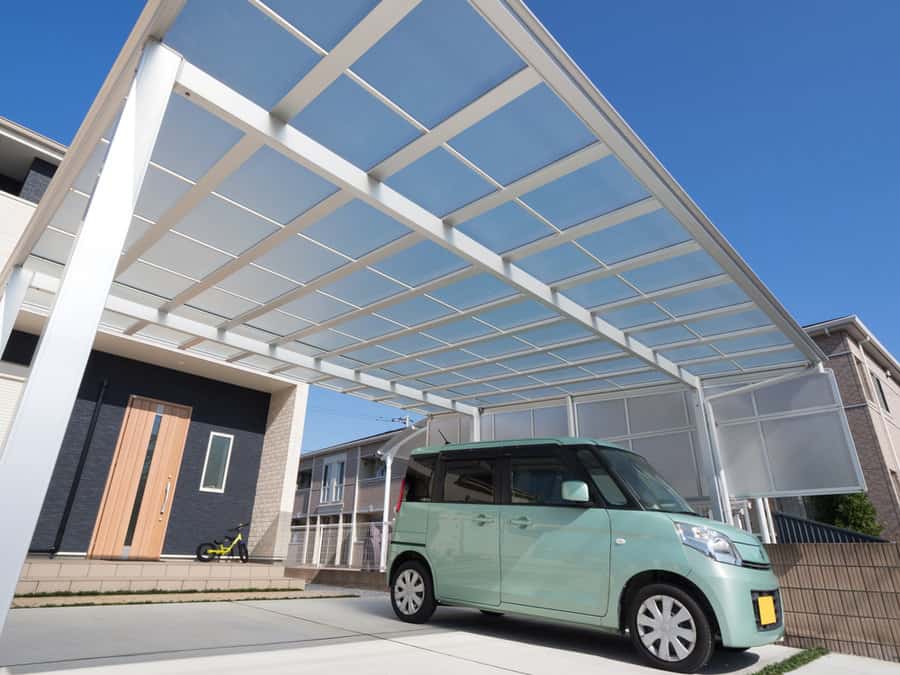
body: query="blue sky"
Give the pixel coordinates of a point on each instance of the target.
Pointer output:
(780, 120)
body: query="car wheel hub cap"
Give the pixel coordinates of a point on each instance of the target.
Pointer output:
(409, 591)
(666, 628)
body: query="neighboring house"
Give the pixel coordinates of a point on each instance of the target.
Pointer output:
(868, 377)
(164, 448)
(339, 509)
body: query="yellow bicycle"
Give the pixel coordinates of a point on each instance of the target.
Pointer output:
(214, 550)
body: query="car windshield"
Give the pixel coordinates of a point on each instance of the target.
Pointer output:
(651, 490)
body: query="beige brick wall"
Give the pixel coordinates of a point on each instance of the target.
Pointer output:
(270, 525)
(845, 597)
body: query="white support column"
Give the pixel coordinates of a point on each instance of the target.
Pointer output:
(36, 432)
(762, 520)
(355, 509)
(13, 296)
(773, 535)
(317, 548)
(476, 427)
(714, 473)
(571, 418)
(337, 545)
(385, 513)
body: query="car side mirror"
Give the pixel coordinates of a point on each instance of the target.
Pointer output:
(575, 491)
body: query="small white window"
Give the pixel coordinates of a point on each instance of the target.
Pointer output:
(881, 397)
(215, 466)
(333, 480)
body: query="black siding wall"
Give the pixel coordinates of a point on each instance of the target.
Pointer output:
(196, 516)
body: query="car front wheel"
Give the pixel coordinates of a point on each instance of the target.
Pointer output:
(412, 594)
(670, 629)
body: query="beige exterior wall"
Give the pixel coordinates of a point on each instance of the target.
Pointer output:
(270, 525)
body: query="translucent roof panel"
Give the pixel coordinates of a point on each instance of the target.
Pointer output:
(591, 191)
(771, 359)
(632, 238)
(523, 136)
(226, 226)
(635, 315)
(558, 263)
(256, 284)
(729, 323)
(367, 327)
(348, 120)
(440, 183)
(505, 227)
(362, 287)
(224, 40)
(704, 299)
(279, 323)
(426, 69)
(185, 256)
(473, 291)
(600, 292)
(317, 307)
(355, 229)
(555, 333)
(159, 193)
(679, 270)
(462, 329)
(301, 259)
(517, 314)
(324, 21)
(746, 342)
(420, 263)
(416, 311)
(587, 350)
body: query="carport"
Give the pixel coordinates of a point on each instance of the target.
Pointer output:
(426, 204)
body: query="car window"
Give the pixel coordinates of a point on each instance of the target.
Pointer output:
(418, 478)
(469, 481)
(611, 492)
(538, 480)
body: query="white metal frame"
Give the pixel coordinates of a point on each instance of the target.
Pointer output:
(230, 438)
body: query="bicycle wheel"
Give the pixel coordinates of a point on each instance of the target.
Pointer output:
(205, 552)
(243, 553)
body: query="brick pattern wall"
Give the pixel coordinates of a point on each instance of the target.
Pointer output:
(845, 597)
(270, 525)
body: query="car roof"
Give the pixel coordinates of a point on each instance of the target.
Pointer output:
(516, 443)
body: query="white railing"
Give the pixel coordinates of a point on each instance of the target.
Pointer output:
(336, 545)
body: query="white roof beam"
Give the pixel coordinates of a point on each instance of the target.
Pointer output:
(250, 118)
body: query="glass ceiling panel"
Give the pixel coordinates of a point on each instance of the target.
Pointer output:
(135, 232)
(615, 366)
(159, 191)
(663, 336)
(328, 340)
(713, 368)
(415, 311)
(555, 264)
(154, 280)
(275, 186)
(740, 344)
(506, 383)
(298, 373)
(772, 359)
(600, 292)
(594, 387)
(635, 237)
(221, 303)
(531, 362)
(562, 374)
(459, 330)
(184, 256)
(411, 344)
(482, 370)
(409, 367)
(357, 126)
(541, 392)
(115, 321)
(497, 347)
(448, 359)
(278, 323)
(367, 327)
(188, 125)
(224, 40)
(555, 333)
(256, 284)
(439, 183)
(370, 355)
(500, 399)
(363, 287)
(325, 21)
(163, 334)
(258, 362)
(197, 315)
(517, 314)
(54, 246)
(635, 315)
(504, 228)
(298, 347)
(70, 213)
(420, 263)
(588, 350)
(530, 132)
(591, 191)
(704, 299)
(687, 353)
(214, 349)
(475, 290)
(680, 270)
(424, 66)
(301, 259)
(254, 333)
(225, 226)
(87, 177)
(317, 307)
(731, 322)
(355, 229)
(635, 379)
(441, 379)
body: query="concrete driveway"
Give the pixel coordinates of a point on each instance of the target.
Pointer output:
(349, 635)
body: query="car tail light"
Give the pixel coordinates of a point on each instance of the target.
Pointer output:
(402, 494)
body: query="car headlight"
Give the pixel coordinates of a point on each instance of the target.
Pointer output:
(709, 542)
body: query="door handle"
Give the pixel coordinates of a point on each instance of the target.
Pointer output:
(483, 519)
(162, 509)
(522, 522)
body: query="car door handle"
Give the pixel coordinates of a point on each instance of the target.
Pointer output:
(522, 522)
(483, 519)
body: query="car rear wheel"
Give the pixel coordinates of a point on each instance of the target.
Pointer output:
(412, 594)
(670, 629)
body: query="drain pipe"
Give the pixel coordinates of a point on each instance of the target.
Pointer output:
(79, 469)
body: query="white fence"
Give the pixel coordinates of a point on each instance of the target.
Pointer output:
(336, 545)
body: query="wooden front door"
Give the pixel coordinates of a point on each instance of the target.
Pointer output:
(134, 511)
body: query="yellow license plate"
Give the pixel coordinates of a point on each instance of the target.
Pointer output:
(766, 605)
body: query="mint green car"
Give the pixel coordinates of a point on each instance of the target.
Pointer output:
(580, 531)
